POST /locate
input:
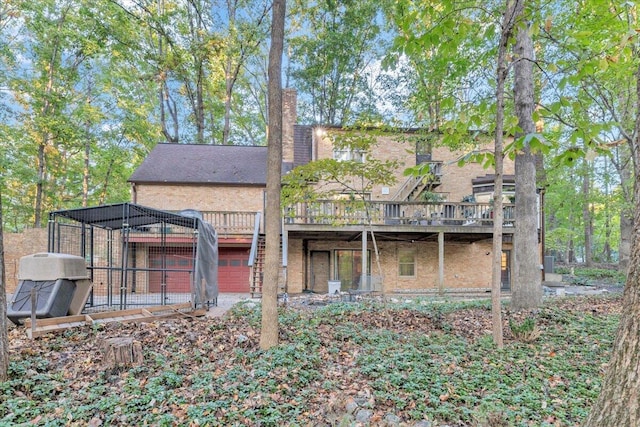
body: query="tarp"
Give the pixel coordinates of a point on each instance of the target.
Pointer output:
(205, 283)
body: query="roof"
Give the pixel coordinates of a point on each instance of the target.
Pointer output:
(200, 163)
(121, 215)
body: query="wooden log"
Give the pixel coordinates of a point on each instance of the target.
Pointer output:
(121, 352)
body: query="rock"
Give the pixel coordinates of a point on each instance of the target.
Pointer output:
(392, 420)
(423, 423)
(351, 406)
(364, 415)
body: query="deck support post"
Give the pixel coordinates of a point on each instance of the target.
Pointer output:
(441, 262)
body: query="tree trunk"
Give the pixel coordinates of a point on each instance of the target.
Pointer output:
(4, 339)
(587, 219)
(626, 224)
(270, 329)
(526, 289)
(121, 352)
(86, 170)
(619, 401)
(37, 220)
(511, 13)
(226, 130)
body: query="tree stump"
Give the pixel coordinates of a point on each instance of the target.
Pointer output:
(121, 352)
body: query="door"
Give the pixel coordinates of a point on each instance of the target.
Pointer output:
(320, 271)
(349, 268)
(233, 269)
(175, 272)
(506, 270)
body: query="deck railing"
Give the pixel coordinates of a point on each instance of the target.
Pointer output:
(354, 212)
(231, 222)
(342, 212)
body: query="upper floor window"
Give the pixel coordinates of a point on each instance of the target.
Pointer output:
(345, 154)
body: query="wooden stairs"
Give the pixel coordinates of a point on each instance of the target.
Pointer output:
(257, 272)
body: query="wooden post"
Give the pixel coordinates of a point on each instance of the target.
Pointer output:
(121, 352)
(441, 262)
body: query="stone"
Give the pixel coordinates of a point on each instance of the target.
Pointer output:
(392, 420)
(364, 415)
(351, 406)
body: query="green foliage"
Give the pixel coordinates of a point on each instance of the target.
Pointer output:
(411, 358)
(326, 178)
(333, 47)
(525, 331)
(584, 276)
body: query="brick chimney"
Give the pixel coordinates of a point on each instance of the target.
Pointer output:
(289, 117)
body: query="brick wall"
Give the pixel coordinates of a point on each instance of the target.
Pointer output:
(465, 265)
(455, 182)
(17, 245)
(200, 197)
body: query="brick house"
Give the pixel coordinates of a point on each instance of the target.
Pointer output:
(418, 235)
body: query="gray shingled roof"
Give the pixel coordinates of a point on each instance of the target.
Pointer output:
(197, 164)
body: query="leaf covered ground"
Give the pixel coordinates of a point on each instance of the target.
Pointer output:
(367, 363)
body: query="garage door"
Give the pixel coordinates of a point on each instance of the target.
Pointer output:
(233, 269)
(179, 265)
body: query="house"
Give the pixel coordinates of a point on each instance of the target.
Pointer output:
(425, 234)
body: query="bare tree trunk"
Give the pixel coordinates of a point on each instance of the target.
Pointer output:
(586, 216)
(4, 339)
(502, 72)
(229, 80)
(619, 403)
(85, 173)
(37, 220)
(527, 289)
(626, 224)
(164, 98)
(270, 329)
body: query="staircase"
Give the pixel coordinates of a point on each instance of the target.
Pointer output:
(415, 185)
(257, 270)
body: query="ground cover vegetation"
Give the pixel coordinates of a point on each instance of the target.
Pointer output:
(371, 362)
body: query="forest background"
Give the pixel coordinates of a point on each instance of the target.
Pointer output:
(88, 88)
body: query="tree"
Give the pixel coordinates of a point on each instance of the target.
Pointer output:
(270, 329)
(590, 101)
(4, 339)
(243, 41)
(526, 288)
(332, 53)
(459, 103)
(511, 13)
(324, 179)
(618, 403)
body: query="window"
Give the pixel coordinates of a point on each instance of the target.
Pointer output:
(345, 154)
(407, 263)
(348, 267)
